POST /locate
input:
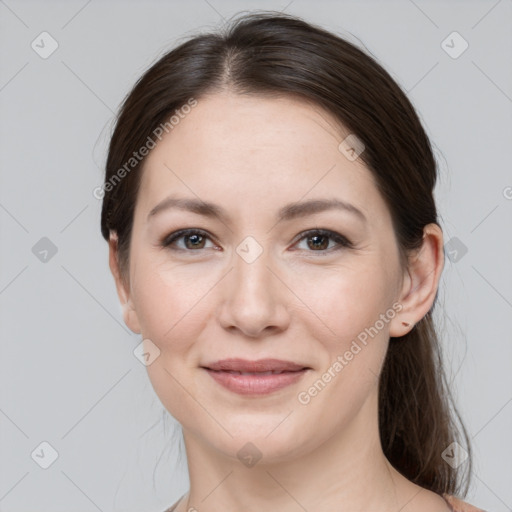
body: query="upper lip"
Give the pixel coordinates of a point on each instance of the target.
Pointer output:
(261, 365)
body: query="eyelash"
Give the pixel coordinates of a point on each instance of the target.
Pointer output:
(341, 240)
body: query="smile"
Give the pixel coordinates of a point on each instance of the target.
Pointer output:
(255, 377)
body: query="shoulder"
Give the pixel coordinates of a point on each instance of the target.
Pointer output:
(458, 505)
(173, 507)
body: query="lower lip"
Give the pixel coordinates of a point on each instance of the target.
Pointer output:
(255, 384)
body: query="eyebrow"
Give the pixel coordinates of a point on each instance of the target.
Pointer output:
(286, 213)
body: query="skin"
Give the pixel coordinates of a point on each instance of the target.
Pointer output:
(253, 155)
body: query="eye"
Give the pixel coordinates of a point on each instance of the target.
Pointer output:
(193, 239)
(324, 240)
(317, 240)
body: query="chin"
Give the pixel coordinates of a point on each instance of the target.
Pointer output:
(258, 441)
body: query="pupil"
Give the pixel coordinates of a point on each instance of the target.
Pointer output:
(196, 240)
(321, 245)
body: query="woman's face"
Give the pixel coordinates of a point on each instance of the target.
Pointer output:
(254, 177)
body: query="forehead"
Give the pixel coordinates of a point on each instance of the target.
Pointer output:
(239, 123)
(257, 149)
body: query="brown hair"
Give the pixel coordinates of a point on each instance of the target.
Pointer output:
(277, 54)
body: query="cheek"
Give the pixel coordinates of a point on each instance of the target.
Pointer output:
(171, 310)
(169, 306)
(343, 301)
(352, 311)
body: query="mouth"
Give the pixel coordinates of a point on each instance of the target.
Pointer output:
(255, 377)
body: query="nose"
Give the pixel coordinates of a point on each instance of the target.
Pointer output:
(254, 299)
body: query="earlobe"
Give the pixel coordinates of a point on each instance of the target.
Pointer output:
(421, 281)
(130, 318)
(122, 286)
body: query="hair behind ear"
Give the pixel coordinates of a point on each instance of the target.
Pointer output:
(413, 443)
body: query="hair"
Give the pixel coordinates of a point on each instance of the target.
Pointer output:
(273, 54)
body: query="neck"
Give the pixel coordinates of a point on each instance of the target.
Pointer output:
(347, 472)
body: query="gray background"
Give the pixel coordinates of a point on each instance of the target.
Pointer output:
(67, 369)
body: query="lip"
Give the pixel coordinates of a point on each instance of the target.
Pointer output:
(259, 377)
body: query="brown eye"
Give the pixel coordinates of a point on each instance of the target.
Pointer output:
(321, 240)
(318, 242)
(192, 239)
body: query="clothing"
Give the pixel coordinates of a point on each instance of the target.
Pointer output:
(455, 504)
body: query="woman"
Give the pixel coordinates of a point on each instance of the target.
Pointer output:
(274, 239)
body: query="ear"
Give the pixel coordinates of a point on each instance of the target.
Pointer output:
(420, 282)
(122, 285)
